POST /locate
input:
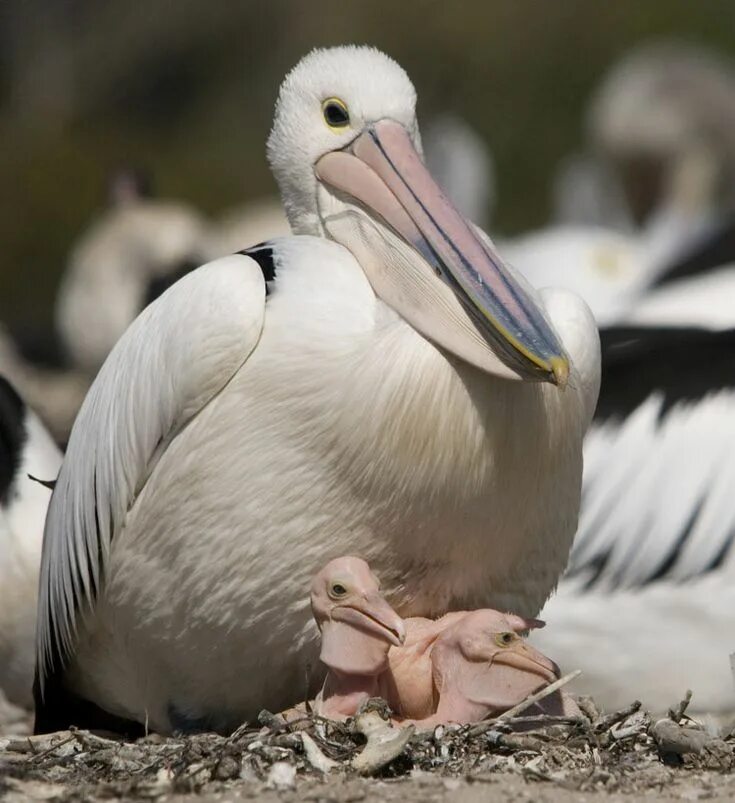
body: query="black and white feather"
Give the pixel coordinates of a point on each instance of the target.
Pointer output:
(26, 449)
(649, 597)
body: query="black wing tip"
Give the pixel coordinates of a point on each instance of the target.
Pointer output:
(679, 363)
(264, 254)
(708, 254)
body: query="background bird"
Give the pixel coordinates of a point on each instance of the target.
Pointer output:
(651, 572)
(137, 248)
(26, 451)
(651, 201)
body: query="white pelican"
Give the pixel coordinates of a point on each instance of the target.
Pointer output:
(379, 385)
(127, 257)
(656, 542)
(25, 448)
(653, 200)
(664, 115)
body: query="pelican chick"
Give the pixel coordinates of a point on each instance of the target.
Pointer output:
(357, 629)
(463, 667)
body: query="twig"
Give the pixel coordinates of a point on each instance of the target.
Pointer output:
(92, 741)
(677, 714)
(239, 732)
(546, 719)
(587, 706)
(606, 722)
(38, 756)
(481, 727)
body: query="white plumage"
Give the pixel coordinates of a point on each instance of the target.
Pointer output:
(133, 247)
(657, 189)
(229, 446)
(648, 603)
(25, 448)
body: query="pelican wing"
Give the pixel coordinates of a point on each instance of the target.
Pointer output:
(659, 468)
(174, 359)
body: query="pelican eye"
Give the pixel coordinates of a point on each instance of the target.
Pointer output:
(335, 113)
(337, 590)
(505, 639)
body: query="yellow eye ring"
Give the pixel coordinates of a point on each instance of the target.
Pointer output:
(335, 114)
(505, 639)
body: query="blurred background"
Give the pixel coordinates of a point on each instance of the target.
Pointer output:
(186, 90)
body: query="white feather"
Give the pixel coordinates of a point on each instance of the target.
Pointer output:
(21, 534)
(159, 376)
(346, 432)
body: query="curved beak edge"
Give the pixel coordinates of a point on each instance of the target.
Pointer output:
(382, 170)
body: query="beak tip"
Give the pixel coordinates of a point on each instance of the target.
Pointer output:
(560, 371)
(400, 633)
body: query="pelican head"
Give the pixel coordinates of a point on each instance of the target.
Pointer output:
(357, 625)
(346, 152)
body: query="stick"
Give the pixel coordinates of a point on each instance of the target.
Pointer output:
(546, 719)
(527, 703)
(92, 741)
(38, 756)
(677, 714)
(606, 722)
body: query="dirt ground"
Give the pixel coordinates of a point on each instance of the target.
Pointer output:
(626, 755)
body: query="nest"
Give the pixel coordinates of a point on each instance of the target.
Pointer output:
(625, 751)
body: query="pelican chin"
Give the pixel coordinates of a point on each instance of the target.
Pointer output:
(450, 283)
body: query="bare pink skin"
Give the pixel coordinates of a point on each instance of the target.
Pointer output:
(464, 667)
(358, 628)
(468, 666)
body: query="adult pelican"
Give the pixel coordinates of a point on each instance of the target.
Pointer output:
(380, 385)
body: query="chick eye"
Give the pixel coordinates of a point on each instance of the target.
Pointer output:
(505, 639)
(335, 113)
(337, 590)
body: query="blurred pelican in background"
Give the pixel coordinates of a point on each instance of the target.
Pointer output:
(137, 248)
(26, 448)
(655, 198)
(245, 225)
(56, 393)
(649, 597)
(648, 601)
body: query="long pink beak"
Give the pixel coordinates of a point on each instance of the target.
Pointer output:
(373, 615)
(527, 659)
(382, 170)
